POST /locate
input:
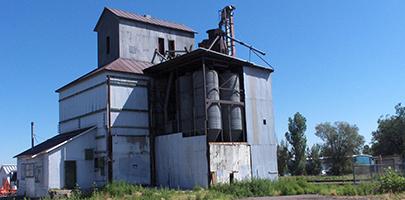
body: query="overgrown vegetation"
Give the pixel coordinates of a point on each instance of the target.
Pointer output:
(390, 182)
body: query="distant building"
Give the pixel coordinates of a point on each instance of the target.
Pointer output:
(7, 172)
(157, 112)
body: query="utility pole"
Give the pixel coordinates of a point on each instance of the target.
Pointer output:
(32, 134)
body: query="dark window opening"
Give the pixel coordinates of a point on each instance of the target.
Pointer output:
(264, 121)
(231, 177)
(161, 46)
(88, 154)
(171, 48)
(108, 45)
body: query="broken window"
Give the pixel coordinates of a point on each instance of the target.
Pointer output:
(171, 48)
(108, 45)
(161, 46)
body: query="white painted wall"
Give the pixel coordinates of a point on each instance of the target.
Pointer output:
(181, 161)
(73, 150)
(259, 107)
(51, 165)
(130, 129)
(227, 158)
(37, 185)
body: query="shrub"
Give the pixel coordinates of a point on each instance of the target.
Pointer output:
(391, 181)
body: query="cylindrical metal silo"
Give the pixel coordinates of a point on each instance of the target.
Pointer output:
(231, 114)
(214, 124)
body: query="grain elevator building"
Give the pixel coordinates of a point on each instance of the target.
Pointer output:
(157, 112)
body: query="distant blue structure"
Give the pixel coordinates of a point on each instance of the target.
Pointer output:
(363, 159)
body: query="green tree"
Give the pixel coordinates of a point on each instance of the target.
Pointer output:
(313, 166)
(296, 137)
(282, 158)
(389, 138)
(341, 141)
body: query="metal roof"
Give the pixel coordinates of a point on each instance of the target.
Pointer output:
(149, 20)
(52, 142)
(8, 168)
(119, 65)
(196, 54)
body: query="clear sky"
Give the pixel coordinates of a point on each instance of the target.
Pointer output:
(334, 60)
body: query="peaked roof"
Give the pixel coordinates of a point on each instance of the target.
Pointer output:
(146, 19)
(119, 65)
(52, 142)
(8, 168)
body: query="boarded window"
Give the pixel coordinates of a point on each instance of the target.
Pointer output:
(88, 154)
(29, 170)
(161, 46)
(107, 41)
(171, 48)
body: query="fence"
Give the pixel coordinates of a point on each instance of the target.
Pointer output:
(363, 173)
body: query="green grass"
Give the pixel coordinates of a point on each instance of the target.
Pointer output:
(391, 182)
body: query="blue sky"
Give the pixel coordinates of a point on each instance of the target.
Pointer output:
(334, 60)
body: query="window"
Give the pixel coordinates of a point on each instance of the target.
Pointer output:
(108, 45)
(161, 46)
(88, 154)
(29, 170)
(171, 48)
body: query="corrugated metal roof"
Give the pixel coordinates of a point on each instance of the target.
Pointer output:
(119, 65)
(52, 142)
(149, 20)
(8, 168)
(199, 53)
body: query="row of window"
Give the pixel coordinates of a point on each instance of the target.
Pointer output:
(171, 46)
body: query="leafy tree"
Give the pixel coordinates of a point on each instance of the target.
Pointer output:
(367, 150)
(296, 137)
(389, 138)
(314, 162)
(282, 158)
(341, 141)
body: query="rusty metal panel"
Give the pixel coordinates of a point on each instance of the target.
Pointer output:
(230, 158)
(150, 20)
(181, 162)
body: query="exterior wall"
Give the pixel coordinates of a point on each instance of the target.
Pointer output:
(227, 158)
(83, 104)
(73, 150)
(33, 186)
(139, 40)
(49, 167)
(260, 122)
(181, 161)
(130, 129)
(108, 27)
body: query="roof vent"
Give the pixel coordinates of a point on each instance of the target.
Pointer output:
(147, 16)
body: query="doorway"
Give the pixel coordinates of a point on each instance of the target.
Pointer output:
(70, 174)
